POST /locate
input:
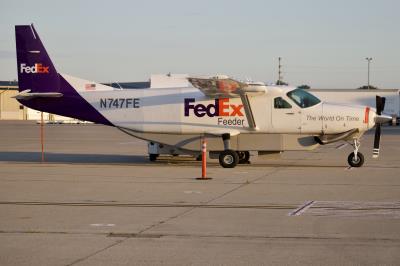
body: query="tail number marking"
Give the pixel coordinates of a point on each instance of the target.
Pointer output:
(114, 103)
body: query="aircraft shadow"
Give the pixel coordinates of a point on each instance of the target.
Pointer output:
(66, 158)
(51, 157)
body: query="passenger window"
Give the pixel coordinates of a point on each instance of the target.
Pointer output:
(280, 103)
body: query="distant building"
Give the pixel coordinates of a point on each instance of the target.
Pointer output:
(10, 109)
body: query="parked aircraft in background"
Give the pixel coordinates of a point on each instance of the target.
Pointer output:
(236, 117)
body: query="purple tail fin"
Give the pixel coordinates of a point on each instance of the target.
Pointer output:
(36, 72)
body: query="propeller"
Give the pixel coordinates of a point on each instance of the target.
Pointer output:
(379, 120)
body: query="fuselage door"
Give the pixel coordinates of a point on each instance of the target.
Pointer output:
(311, 111)
(285, 117)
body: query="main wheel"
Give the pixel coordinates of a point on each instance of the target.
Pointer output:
(244, 157)
(228, 158)
(153, 157)
(353, 162)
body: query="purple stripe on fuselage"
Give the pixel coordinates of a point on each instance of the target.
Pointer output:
(71, 104)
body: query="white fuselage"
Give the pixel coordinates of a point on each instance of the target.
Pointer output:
(188, 111)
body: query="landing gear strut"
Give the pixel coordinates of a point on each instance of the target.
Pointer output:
(356, 159)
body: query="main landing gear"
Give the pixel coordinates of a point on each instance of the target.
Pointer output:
(244, 157)
(356, 159)
(229, 158)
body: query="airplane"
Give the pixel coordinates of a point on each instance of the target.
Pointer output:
(236, 117)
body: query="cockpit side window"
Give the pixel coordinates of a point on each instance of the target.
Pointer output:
(280, 103)
(303, 98)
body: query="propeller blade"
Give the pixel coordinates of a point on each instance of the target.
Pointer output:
(377, 139)
(379, 119)
(380, 104)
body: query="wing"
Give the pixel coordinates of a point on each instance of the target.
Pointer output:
(224, 87)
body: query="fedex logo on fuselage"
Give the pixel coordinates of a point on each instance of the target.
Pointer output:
(220, 107)
(35, 69)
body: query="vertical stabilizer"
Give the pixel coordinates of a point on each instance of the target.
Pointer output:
(36, 72)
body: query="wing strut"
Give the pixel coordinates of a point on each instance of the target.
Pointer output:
(248, 111)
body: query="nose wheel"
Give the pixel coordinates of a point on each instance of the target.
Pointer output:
(356, 159)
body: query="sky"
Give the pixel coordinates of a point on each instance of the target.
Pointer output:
(322, 43)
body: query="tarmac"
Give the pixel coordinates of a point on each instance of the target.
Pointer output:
(97, 200)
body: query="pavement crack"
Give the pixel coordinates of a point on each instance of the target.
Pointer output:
(97, 252)
(207, 202)
(242, 185)
(205, 205)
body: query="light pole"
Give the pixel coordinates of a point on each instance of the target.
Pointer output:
(369, 59)
(279, 71)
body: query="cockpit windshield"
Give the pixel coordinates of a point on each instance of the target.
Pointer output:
(303, 98)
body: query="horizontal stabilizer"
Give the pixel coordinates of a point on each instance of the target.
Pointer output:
(27, 94)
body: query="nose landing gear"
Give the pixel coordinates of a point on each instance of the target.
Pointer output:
(356, 159)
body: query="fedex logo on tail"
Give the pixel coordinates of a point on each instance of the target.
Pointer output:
(221, 107)
(35, 69)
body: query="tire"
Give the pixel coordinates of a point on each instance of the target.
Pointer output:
(354, 163)
(228, 159)
(153, 157)
(244, 157)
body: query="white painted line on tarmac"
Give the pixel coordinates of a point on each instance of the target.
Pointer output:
(361, 209)
(129, 142)
(104, 225)
(302, 208)
(192, 192)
